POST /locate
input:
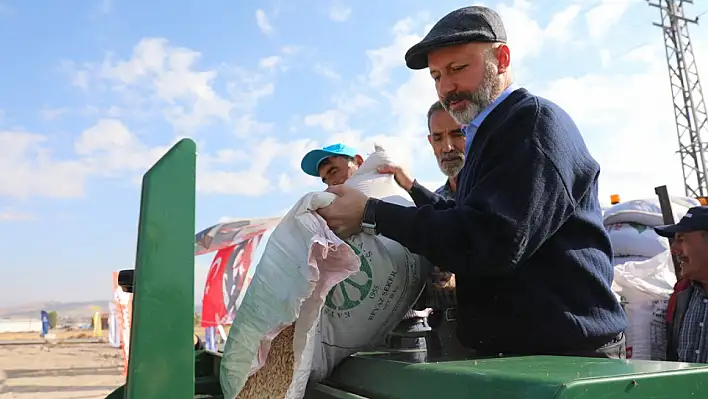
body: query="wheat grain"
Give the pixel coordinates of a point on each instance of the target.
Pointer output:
(274, 378)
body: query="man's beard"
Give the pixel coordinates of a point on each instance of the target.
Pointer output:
(453, 166)
(485, 94)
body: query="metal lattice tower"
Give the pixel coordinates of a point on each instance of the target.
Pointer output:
(689, 106)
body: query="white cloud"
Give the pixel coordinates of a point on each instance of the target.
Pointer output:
(628, 124)
(603, 17)
(246, 125)
(160, 78)
(524, 34)
(254, 181)
(339, 12)
(28, 168)
(384, 60)
(270, 62)
(12, 215)
(53, 113)
(109, 147)
(561, 22)
(165, 80)
(327, 72)
(263, 23)
(290, 50)
(330, 120)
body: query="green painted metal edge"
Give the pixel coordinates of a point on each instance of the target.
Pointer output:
(320, 391)
(680, 384)
(161, 360)
(118, 393)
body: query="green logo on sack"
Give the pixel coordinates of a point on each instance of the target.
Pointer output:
(351, 292)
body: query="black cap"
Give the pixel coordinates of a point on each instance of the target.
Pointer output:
(466, 25)
(696, 219)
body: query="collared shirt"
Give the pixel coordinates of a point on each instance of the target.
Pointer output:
(440, 298)
(446, 191)
(471, 129)
(693, 338)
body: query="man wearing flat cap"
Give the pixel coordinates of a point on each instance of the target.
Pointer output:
(524, 234)
(687, 312)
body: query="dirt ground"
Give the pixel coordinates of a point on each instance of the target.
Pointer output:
(64, 371)
(59, 334)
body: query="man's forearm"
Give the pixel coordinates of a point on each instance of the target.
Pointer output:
(422, 196)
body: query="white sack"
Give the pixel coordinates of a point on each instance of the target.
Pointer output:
(646, 329)
(646, 285)
(634, 239)
(652, 279)
(647, 211)
(618, 260)
(341, 296)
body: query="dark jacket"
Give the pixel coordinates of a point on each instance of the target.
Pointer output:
(524, 235)
(675, 312)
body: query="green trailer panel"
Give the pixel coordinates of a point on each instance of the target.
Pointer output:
(161, 360)
(533, 377)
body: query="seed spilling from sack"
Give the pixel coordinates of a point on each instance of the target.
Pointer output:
(274, 378)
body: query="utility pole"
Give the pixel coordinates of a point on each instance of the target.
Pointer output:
(689, 106)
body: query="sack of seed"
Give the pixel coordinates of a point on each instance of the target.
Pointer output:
(316, 299)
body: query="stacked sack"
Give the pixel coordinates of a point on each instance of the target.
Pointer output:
(644, 273)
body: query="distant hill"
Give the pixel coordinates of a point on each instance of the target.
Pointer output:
(64, 309)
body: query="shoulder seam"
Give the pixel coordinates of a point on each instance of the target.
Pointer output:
(537, 111)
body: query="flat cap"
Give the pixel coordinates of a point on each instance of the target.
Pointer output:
(466, 25)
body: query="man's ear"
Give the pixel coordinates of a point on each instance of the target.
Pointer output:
(503, 58)
(430, 139)
(359, 159)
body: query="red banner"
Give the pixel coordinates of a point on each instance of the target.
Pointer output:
(227, 281)
(213, 307)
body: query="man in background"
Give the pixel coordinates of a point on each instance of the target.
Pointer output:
(334, 164)
(448, 142)
(687, 312)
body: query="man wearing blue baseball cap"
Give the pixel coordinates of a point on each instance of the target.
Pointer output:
(687, 312)
(334, 164)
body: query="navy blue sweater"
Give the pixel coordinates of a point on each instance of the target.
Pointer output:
(524, 235)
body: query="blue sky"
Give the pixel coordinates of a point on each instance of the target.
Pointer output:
(94, 92)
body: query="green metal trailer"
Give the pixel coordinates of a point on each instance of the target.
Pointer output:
(164, 365)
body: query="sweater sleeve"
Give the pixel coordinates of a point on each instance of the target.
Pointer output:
(517, 203)
(422, 196)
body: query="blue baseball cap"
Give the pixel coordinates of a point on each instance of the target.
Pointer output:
(696, 219)
(311, 161)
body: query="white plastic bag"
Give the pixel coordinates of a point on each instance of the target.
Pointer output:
(341, 296)
(646, 286)
(634, 239)
(652, 279)
(647, 211)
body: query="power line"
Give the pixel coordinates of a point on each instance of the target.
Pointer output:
(686, 91)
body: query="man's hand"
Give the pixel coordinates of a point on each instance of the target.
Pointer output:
(345, 214)
(401, 176)
(423, 313)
